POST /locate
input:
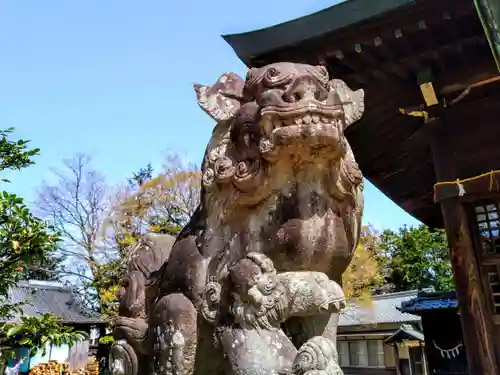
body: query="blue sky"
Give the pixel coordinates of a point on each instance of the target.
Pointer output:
(114, 79)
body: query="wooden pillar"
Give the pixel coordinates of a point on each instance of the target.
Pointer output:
(424, 358)
(475, 313)
(396, 358)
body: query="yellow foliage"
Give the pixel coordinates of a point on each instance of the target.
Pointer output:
(108, 295)
(163, 203)
(364, 271)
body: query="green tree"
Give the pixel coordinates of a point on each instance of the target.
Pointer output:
(25, 240)
(415, 258)
(47, 269)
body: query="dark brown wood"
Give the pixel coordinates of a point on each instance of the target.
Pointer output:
(396, 359)
(478, 185)
(443, 330)
(460, 82)
(390, 147)
(476, 317)
(424, 360)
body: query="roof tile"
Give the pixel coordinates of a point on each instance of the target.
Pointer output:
(383, 309)
(49, 297)
(430, 301)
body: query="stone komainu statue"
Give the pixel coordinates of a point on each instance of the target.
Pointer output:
(251, 284)
(130, 354)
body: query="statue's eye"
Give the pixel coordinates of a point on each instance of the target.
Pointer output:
(272, 72)
(274, 77)
(323, 70)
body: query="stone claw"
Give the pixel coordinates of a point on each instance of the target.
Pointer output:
(318, 356)
(333, 306)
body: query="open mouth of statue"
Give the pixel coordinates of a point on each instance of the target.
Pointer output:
(313, 123)
(335, 306)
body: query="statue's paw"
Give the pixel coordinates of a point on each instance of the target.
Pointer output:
(311, 293)
(334, 306)
(335, 300)
(131, 330)
(329, 292)
(318, 356)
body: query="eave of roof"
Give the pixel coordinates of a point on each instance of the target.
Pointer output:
(391, 149)
(348, 13)
(405, 332)
(429, 301)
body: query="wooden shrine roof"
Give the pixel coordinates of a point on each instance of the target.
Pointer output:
(383, 47)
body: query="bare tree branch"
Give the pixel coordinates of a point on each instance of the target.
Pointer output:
(77, 204)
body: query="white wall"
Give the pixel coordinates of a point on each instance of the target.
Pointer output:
(56, 353)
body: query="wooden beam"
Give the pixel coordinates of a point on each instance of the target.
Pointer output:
(338, 68)
(475, 314)
(484, 78)
(383, 48)
(406, 45)
(424, 358)
(479, 186)
(428, 41)
(370, 63)
(451, 31)
(414, 58)
(396, 359)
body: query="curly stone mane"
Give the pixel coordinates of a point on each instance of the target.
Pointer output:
(259, 299)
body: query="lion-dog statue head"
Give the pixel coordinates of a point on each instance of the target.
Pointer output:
(278, 175)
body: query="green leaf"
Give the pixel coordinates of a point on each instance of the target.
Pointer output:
(27, 241)
(13, 330)
(25, 341)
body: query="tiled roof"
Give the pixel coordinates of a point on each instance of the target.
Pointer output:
(50, 297)
(425, 301)
(405, 332)
(382, 309)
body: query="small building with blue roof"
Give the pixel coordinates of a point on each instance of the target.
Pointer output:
(443, 338)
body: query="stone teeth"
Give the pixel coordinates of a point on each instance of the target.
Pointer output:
(305, 119)
(268, 127)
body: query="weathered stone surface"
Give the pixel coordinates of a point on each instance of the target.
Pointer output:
(264, 299)
(129, 354)
(254, 275)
